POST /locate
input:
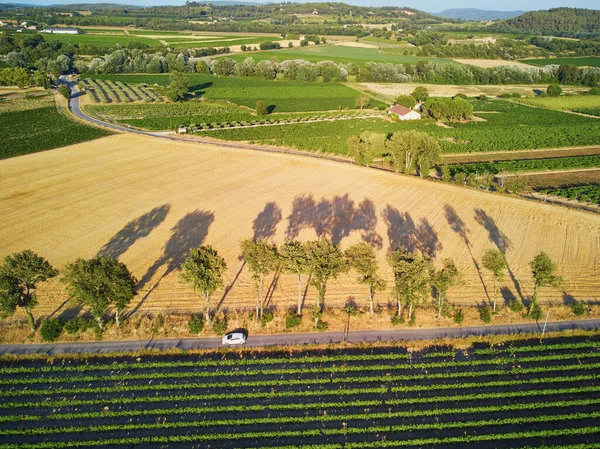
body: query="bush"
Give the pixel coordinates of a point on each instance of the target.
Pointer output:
(515, 305)
(460, 178)
(504, 95)
(554, 90)
(535, 311)
(482, 97)
(78, 325)
(219, 326)
(461, 95)
(266, 318)
(406, 101)
(261, 108)
(485, 314)
(195, 324)
(64, 90)
(397, 319)
(515, 95)
(292, 320)
(459, 316)
(322, 326)
(51, 329)
(578, 308)
(594, 91)
(413, 320)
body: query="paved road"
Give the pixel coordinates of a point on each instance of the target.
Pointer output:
(297, 339)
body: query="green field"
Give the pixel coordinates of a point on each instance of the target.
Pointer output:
(116, 31)
(222, 42)
(337, 53)
(280, 96)
(158, 33)
(97, 40)
(591, 61)
(595, 112)
(570, 102)
(507, 126)
(33, 124)
(587, 193)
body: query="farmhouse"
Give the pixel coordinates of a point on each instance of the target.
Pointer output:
(404, 113)
(61, 30)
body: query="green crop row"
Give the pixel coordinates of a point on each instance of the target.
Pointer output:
(520, 165)
(588, 193)
(537, 348)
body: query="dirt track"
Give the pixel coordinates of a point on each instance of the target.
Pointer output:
(147, 201)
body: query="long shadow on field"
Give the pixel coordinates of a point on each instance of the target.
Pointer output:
(189, 232)
(335, 219)
(459, 226)
(265, 224)
(501, 241)
(133, 231)
(403, 232)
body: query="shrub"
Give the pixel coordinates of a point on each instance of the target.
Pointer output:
(594, 91)
(535, 311)
(397, 319)
(406, 101)
(51, 329)
(195, 324)
(485, 314)
(461, 95)
(578, 308)
(554, 90)
(322, 326)
(71, 326)
(515, 95)
(459, 316)
(460, 178)
(292, 320)
(261, 108)
(266, 318)
(64, 90)
(504, 95)
(219, 326)
(515, 305)
(482, 97)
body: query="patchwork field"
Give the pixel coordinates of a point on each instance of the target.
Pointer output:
(101, 40)
(148, 200)
(520, 395)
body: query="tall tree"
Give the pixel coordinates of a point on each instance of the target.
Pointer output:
(411, 148)
(19, 276)
(178, 87)
(544, 273)
(99, 283)
(293, 257)
(442, 280)
(326, 261)
(494, 261)
(262, 259)
(420, 93)
(363, 101)
(362, 258)
(203, 271)
(366, 147)
(412, 274)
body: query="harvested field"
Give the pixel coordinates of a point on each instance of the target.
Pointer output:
(485, 63)
(148, 200)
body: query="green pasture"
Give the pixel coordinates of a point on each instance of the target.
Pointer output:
(97, 40)
(569, 102)
(589, 61)
(279, 95)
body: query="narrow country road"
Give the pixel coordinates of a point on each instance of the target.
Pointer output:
(298, 339)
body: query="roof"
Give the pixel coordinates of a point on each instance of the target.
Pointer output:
(400, 110)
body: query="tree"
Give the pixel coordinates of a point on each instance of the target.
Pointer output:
(420, 94)
(441, 281)
(65, 91)
(16, 59)
(544, 274)
(326, 261)
(362, 258)
(40, 79)
(365, 147)
(494, 261)
(412, 274)
(99, 283)
(407, 101)
(261, 108)
(412, 148)
(554, 90)
(293, 257)
(203, 270)
(178, 87)
(262, 259)
(362, 101)
(19, 277)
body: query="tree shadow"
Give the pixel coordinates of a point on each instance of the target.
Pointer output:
(403, 232)
(507, 295)
(200, 89)
(271, 108)
(460, 227)
(265, 224)
(501, 240)
(133, 231)
(336, 218)
(568, 299)
(189, 232)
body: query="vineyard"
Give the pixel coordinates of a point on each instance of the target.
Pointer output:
(526, 165)
(33, 124)
(587, 193)
(106, 91)
(522, 395)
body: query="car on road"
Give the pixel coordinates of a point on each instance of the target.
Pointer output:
(234, 338)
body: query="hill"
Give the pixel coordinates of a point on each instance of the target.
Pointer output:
(565, 22)
(474, 14)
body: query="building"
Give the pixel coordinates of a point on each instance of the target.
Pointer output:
(404, 113)
(61, 30)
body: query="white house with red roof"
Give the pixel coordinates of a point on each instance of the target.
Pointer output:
(404, 113)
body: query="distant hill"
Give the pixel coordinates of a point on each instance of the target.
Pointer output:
(477, 14)
(566, 22)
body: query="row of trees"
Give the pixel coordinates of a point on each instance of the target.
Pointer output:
(24, 78)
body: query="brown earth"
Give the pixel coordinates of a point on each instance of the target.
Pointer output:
(147, 201)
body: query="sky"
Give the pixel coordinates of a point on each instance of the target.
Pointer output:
(423, 5)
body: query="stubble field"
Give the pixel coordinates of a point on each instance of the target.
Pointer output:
(148, 200)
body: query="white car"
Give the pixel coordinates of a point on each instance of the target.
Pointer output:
(234, 338)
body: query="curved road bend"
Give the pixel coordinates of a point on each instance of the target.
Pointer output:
(297, 339)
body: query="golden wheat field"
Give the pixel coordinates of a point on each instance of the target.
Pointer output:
(147, 201)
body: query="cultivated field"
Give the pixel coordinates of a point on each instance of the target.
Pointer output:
(148, 200)
(590, 61)
(521, 395)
